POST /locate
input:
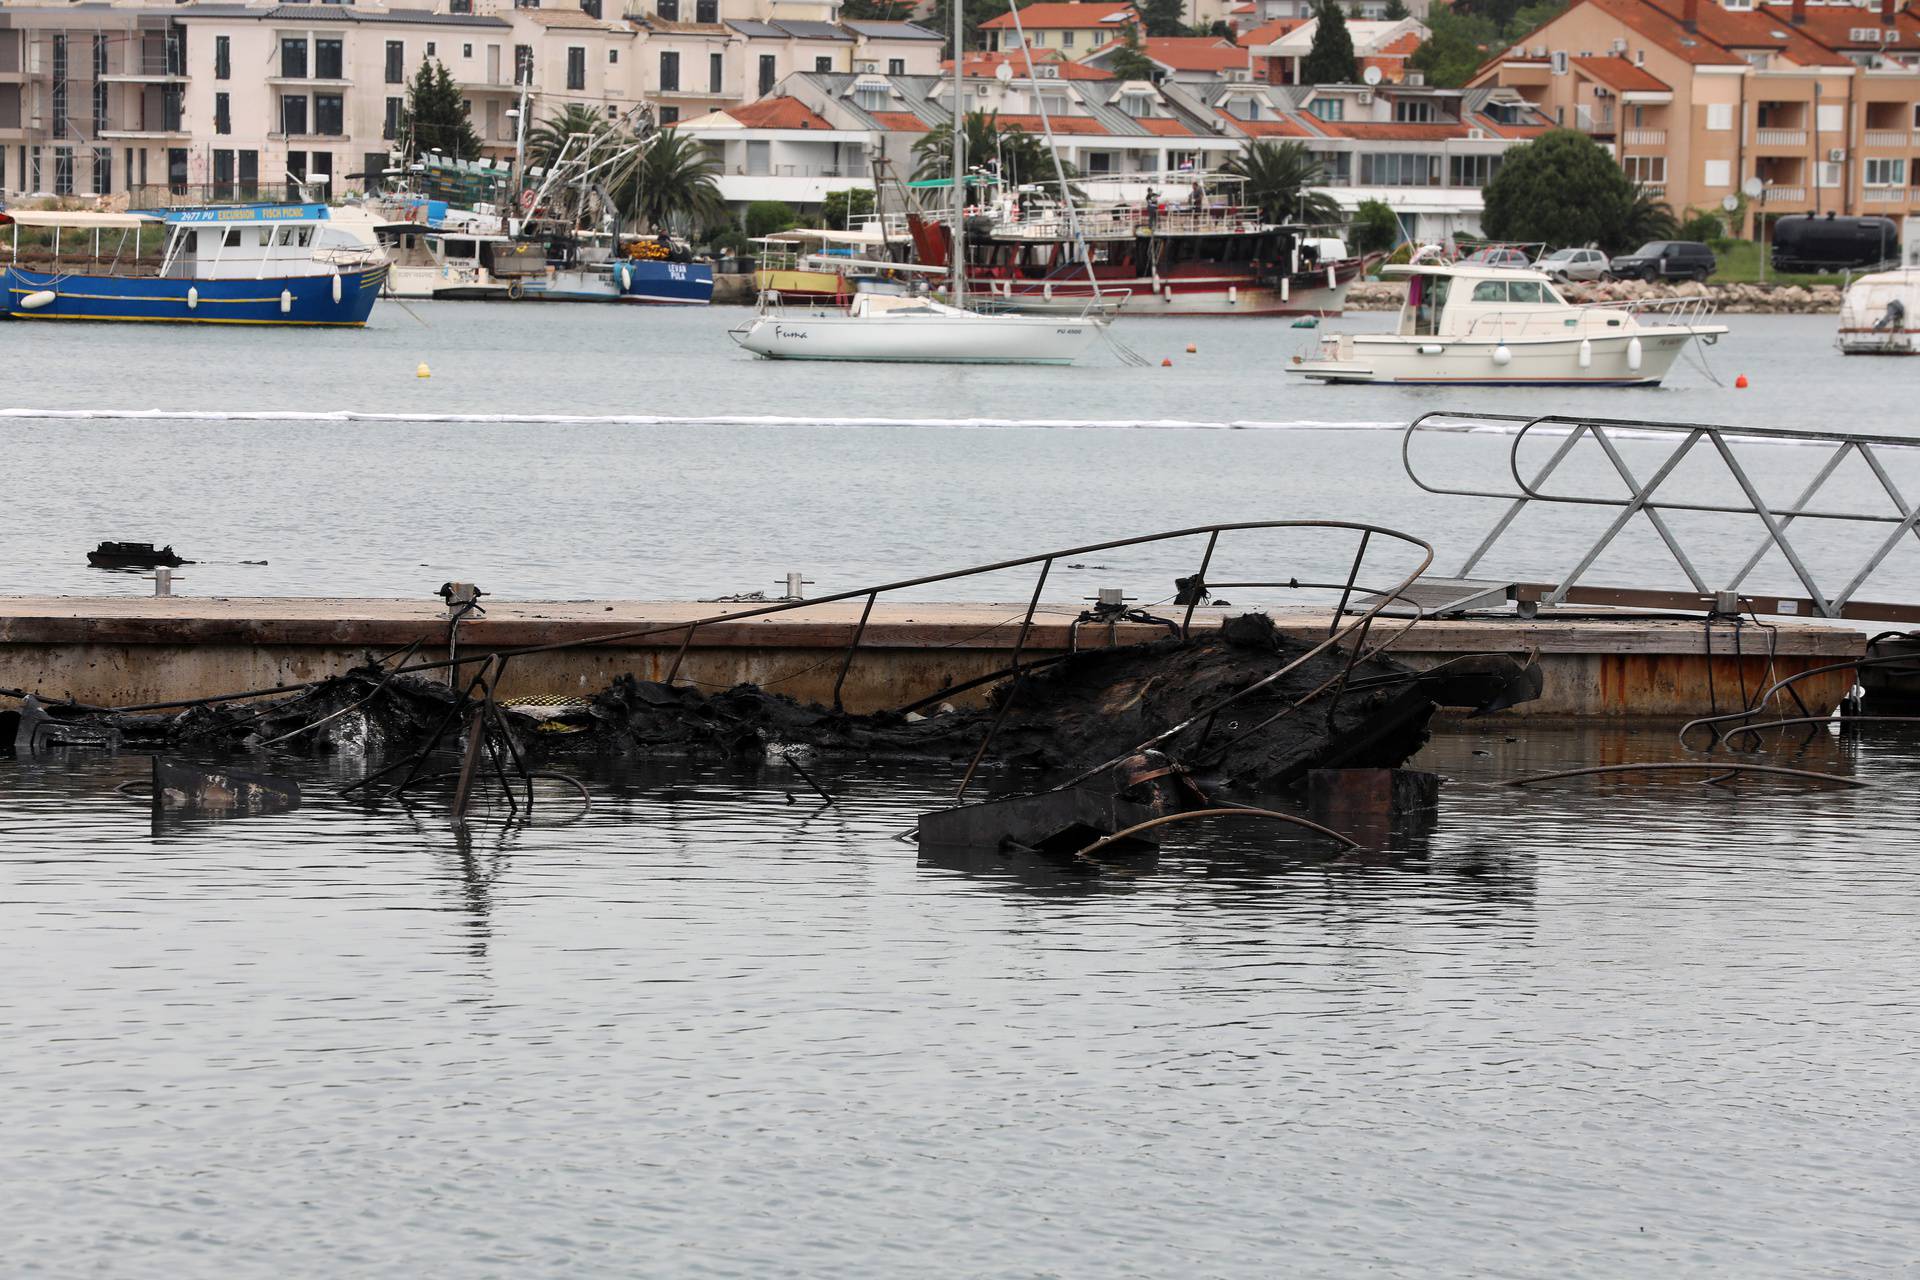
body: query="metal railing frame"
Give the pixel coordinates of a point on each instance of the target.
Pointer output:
(1642, 495)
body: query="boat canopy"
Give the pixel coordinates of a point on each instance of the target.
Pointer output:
(70, 219)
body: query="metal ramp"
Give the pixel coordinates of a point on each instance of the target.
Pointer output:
(1441, 598)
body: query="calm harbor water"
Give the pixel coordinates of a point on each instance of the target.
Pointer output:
(708, 1032)
(1591, 1028)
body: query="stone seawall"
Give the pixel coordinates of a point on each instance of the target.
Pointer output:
(1730, 299)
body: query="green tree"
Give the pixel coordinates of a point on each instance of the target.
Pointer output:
(1130, 63)
(1395, 11)
(1022, 157)
(1164, 17)
(840, 208)
(436, 116)
(1562, 188)
(1375, 228)
(1701, 225)
(1647, 218)
(586, 129)
(1455, 47)
(1330, 60)
(1280, 177)
(670, 186)
(764, 217)
(877, 10)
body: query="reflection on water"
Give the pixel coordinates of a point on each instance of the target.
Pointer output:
(716, 1027)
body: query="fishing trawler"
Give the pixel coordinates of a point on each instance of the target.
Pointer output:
(244, 264)
(1468, 324)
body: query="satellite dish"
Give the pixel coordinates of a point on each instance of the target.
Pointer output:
(1754, 187)
(1730, 203)
(1371, 75)
(1003, 73)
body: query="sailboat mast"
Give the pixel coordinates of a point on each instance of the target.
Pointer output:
(957, 249)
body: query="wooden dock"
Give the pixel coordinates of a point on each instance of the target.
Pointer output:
(131, 650)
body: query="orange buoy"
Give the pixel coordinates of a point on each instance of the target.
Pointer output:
(1741, 382)
(1166, 364)
(1191, 348)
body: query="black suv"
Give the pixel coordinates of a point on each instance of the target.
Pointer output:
(1666, 260)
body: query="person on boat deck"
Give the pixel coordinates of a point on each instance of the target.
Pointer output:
(1309, 256)
(1199, 201)
(1153, 205)
(1895, 317)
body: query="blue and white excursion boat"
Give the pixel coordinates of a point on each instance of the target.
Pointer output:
(244, 264)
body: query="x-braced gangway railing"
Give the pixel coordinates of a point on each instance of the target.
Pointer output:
(1649, 497)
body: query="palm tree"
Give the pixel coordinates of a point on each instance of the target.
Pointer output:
(546, 140)
(671, 186)
(1021, 157)
(1280, 177)
(1648, 218)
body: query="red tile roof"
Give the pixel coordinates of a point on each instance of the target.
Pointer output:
(1834, 25)
(1194, 53)
(1720, 32)
(1053, 17)
(1061, 124)
(1499, 130)
(778, 113)
(900, 121)
(1386, 132)
(985, 64)
(1266, 128)
(1620, 74)
(1268, 32)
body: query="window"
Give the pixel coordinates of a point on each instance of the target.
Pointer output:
(871, 97)
(1066, 39)
(669, 116)
(668, 9)
(329, 114)
(466, 51)
(613, 55)
(60, 122)
(293, 114)
(397, 61)
(1525, 291)
(1328, 108)
(222, 113)
(1830, 175)
(1560, 62)
(459, 6)
(766, 74)
(1418, 111)
(1720, 116)
(99, 85)
(1489, 291)
(824, 65)
(523, 64)
(249, 173)
(707, 11)
(1647, 171)
(63, 171)
(1471, 171)
(669, 72)
(432, 50)
(1886, 173)
(328, 60)
(716, 73)
(103, 170)
(576, 67)
(1717, 173)
(222, 58)
(396, 109)
(896, 66)
(293, 58)
(322, 166)
(1830, 118)
(297, 165)
(1137, 105)
(1399, 169)
(1336, 167)
(223, 176)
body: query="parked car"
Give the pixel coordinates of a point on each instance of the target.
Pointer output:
(1666, 260)
(1499, 258)
(1574, 264)
(1802, 242)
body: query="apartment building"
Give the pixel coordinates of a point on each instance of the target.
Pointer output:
(1074, 29)
(1277, 50)
(1818, 102)
(1186, 59)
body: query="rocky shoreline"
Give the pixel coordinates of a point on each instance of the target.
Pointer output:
(1729, 299)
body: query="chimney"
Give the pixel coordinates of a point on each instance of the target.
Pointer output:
(1887, 9)
(1799, 18)
(1690, 15)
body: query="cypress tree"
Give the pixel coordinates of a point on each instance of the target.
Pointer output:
(1330, 61)
(436, 117)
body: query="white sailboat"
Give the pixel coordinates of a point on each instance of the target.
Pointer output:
(879, 327)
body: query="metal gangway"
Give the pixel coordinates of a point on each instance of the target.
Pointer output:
(1652, 496)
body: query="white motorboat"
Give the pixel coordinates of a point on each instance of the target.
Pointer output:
(1880, 314)
(888, 327)
(1466, 324)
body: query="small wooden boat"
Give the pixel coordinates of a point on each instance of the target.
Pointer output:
(134, 555)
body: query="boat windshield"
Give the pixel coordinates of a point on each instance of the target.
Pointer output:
(1426, 298)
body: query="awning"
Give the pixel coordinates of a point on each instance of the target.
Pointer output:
(74, 219)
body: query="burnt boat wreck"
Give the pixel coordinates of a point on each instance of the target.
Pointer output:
(1229, 706)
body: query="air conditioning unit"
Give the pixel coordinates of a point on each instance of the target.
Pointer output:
(1415, 78)
(1836, 155)
(1476, 135)
(1620, 46)
(1365, 97)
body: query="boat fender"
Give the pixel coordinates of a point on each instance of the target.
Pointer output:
(1233, 293)
(336, 287)
(516, 290)
(1431, 348)
(193, 298)
(1046, 291)
(626, 278)
(1633, 354)
(1286, 289)
(1501, 355)
(286, 302)
(1586, 354)
(1333, 281)
(38, 299)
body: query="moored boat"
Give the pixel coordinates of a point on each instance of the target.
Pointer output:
(247, 264)
(890, 328)
(1467, 324)
(656, 270)
(1880, 315)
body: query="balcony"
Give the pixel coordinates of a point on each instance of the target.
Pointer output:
(1785, 195)
(143, 133)
(1902, 138)
(1588, 120)
(1779, 137)
(1646, 137)
(1885, 195)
